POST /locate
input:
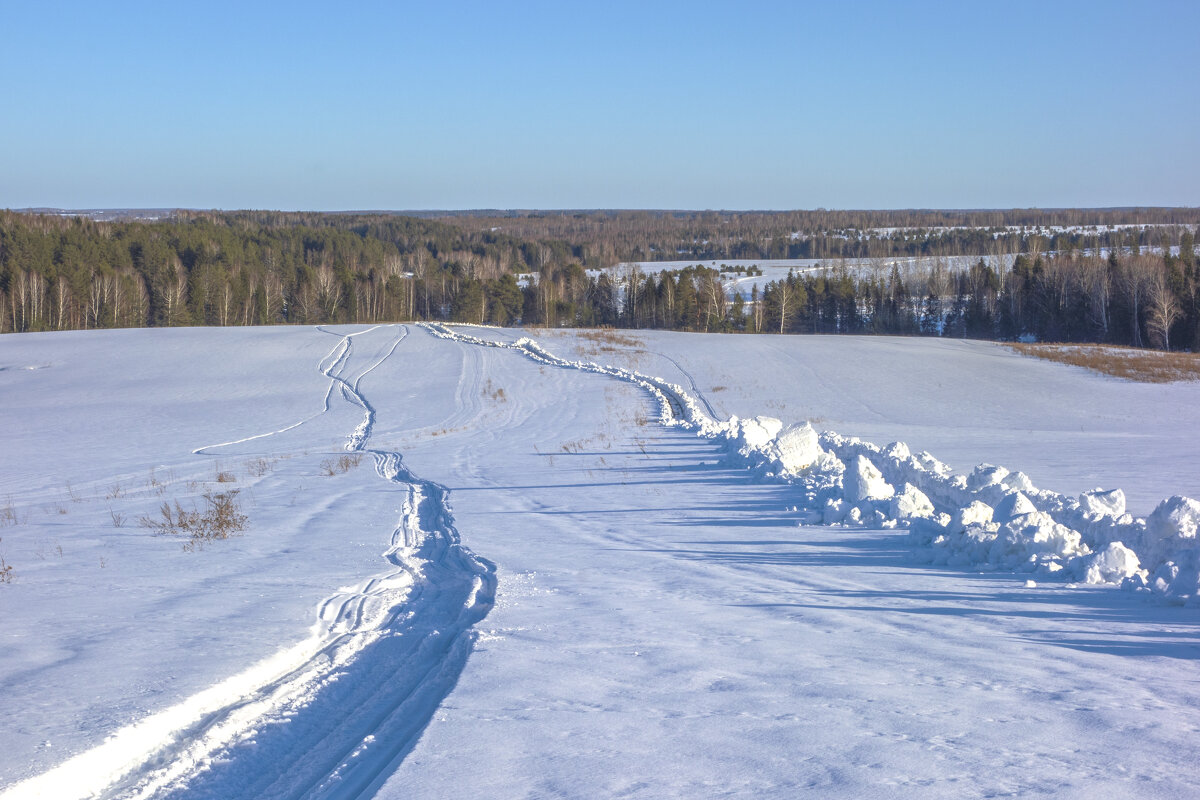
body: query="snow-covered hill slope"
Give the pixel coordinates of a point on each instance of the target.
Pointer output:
(530, 586)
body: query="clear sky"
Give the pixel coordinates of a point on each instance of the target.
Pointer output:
(764, 105)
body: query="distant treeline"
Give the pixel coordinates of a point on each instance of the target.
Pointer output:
(255, 268)
(601, 238)
(246, 268)
(1127, 297)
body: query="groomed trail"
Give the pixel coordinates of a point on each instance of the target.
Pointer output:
(331, 716)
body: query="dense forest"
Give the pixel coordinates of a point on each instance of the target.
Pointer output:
(1125, 297)
(1069, 275)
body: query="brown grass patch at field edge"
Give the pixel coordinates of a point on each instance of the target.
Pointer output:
(1129, 363)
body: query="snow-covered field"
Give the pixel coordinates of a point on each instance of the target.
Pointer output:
(507, 571)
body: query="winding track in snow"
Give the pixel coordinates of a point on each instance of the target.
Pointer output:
(331, 716)
(675, 405)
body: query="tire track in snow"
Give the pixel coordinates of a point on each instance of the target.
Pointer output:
(676, 406)
(695, 389)
(337, 359)
(332, 716)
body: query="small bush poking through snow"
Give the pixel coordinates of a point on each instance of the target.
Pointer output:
(221, 518)
(8, 515)
(336, 466)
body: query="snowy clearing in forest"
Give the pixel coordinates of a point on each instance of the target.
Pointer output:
(592, 564)
(744, 274)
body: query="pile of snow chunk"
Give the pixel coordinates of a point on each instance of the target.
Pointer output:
(753, 436)
(1100, 504)
(798, 448)
(1115, 563)
(862, 481)
(991, 519)
(1169, 543)
(1171, 528)
(763, 442)
(911, 503)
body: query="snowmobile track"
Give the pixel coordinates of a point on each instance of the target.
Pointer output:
(331, 716)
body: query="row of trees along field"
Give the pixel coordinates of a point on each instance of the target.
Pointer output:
(249, 268)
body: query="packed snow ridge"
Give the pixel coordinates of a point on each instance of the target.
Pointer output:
(990, 520)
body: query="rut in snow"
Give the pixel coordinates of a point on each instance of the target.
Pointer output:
(332, 716)
(369, 703)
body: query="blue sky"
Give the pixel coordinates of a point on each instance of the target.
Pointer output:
(618, 105)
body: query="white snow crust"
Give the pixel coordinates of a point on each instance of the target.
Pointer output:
(535, 584)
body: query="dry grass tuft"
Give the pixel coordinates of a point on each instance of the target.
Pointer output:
(8, 515)
(1129, 363)
(258, 467)
(610, 337)
(336, 466)
(495, 392)
(606, 340)
(221, 519)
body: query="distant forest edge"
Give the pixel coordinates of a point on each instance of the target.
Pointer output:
(1123, 276)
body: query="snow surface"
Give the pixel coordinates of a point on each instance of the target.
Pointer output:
(575, 599)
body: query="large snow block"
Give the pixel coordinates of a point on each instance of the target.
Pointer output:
(976, 513)
(757, 432)
(910, 503)
(863, 481)
(799, 447)
(1011, 506)
(1103, 504)
(1113, 564)
(1170, 527)
(986, 475)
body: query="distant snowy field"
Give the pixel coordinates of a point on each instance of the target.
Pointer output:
(778, 268)
(529, 587)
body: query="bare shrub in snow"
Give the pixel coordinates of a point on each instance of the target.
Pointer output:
(336, 466)
(608, 336)
(496, 393)
(220, 519)
(259, 467)
(8, 515)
